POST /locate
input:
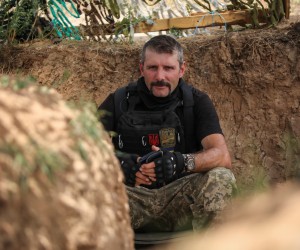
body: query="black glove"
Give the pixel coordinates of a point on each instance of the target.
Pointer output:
(150, 157)
(168, 167)
(129, 166)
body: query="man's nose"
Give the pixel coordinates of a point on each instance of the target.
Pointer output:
(160, 75)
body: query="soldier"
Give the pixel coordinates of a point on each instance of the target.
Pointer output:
(170, 144)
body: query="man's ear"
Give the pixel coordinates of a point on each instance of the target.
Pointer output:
(141, 69)
(182, 69)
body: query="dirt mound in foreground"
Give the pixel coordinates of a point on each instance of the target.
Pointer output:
(267, 221)
(60, 184)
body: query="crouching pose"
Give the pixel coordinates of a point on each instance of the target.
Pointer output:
(170, 144)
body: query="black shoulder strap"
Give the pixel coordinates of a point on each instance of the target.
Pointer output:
(121, 97)
(188, 113)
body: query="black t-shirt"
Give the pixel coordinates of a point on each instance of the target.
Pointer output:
(206, 121)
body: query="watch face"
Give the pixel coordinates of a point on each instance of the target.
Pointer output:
(191, 167)
(190, 162)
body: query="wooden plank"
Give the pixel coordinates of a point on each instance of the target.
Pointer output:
(287, 8)
(201, 20)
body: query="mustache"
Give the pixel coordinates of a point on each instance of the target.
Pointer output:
(160, 84)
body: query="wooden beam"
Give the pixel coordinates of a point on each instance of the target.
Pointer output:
(200, 20)
(287, 8)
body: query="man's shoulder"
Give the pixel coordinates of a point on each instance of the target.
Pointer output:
(197, 93)
(108, 103)
(129, 87)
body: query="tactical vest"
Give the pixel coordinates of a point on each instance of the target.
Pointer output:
(137, 130)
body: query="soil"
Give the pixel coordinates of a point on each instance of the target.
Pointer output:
(271, 218)
(252, 76)
(52, 169)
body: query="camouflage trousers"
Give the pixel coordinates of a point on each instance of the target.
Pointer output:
(191, 202)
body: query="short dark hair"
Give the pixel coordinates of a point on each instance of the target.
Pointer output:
(163, 44)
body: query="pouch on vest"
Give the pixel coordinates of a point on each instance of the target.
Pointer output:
(139, 130)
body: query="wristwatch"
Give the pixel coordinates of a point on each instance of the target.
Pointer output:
(189, 162)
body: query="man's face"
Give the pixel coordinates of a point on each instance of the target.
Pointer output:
(161, 72)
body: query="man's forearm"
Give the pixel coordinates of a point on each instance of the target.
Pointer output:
(210, 159)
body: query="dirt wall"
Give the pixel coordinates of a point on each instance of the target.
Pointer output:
(252, 77)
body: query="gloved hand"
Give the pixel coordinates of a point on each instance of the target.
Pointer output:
(129, 166)
(168, 167)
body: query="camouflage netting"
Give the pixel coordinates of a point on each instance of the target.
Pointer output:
(60, 184)
(115, 20)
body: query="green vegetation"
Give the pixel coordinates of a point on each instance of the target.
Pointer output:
(27, 165)
(18, 19)
(260, 179)
(86, 125)
(176, 32)
(66, 75)
(18, 83)
(127, 24)
(48, 161)
(259, 183)
(292, 155)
